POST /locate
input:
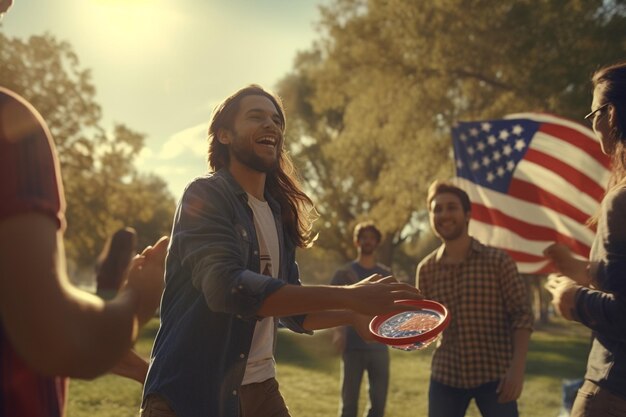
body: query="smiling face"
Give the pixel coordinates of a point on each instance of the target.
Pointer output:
(256, 138)
(447, 218)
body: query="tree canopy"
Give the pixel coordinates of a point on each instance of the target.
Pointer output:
(104, 190)
(371, 103)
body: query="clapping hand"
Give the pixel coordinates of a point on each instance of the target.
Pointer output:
(145, 278)
(563, 290)
(564, 261)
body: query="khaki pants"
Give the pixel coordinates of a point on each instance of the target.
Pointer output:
(256, 400)
(262, 399)
(594, 401)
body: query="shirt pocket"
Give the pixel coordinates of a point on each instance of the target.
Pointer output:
(245, 243)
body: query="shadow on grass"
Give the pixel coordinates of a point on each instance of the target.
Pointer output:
(312, 352)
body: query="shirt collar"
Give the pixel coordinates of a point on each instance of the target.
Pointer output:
(241, 193)
(475, 247)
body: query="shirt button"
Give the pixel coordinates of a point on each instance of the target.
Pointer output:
(242, 356)
(234, 392)
(256, 252)
(238, 316)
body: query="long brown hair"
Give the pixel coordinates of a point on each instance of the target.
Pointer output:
(298, 212)
(613, 82)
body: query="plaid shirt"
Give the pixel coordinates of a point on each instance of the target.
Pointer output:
(487, 300)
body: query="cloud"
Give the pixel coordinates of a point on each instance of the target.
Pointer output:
(181, 158)
(193, 139)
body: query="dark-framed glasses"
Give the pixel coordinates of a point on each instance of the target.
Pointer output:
(593, 113)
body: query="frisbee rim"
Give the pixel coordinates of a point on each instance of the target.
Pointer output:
(431, 305)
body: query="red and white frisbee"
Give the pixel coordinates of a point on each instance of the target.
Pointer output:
(411, 330)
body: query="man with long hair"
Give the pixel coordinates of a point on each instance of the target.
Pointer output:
(231, 272)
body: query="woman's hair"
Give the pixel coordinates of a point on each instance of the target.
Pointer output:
(297, 210)
(115, 258)
(612, 83)
(612, 79)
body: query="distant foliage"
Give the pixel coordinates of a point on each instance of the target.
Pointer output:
(371, 104)
(103, 189)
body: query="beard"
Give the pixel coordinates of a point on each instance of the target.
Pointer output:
(367, 249)
(246, 155)
(451, 234)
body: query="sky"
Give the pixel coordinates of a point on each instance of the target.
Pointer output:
(161, 66)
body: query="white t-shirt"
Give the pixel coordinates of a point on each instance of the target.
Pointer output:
(261, 365)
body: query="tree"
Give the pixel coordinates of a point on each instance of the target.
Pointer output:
(103, 189)
(372, 102)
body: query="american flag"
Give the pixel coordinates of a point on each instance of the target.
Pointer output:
(533, 179)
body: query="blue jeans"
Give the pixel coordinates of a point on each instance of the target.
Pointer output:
(446, 401)
(355, 362)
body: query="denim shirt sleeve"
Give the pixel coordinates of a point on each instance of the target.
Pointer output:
(601, 312)
(210, 239)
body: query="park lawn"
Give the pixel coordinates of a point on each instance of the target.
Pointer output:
(308, 372)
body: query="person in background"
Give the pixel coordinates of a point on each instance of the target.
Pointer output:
(111, 268)
(594, 292)
(113, 262)
(482, 353)
(49, 329)
(359, 355)
(231, 274)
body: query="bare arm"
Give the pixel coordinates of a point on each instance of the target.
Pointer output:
(374, 295)
(56, 328)
(512, 383)
(132, 366)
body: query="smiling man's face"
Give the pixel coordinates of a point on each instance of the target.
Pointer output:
(256, 138)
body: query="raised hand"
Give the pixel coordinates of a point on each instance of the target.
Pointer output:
(563, 290)
(145, 278)
(562, 258)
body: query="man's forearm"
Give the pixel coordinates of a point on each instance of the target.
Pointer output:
(132, 366)
(521, 338)
(327, 319)
(292, 300)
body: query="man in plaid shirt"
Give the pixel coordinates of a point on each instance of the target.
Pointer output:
(482, 353)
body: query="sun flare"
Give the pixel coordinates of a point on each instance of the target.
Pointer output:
(127, 28)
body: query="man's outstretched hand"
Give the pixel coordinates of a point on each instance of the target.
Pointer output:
(378, 295)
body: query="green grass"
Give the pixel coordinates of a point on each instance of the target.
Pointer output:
(308, 372)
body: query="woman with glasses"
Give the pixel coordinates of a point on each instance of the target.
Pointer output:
(594, 292)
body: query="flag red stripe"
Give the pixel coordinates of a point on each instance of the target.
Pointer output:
(526, 230)
(577, 139)
(524, 257)
(575, 177)
(533, 194)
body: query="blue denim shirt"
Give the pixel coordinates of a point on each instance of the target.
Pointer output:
(213, 290)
